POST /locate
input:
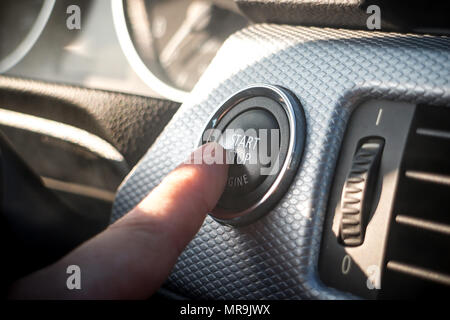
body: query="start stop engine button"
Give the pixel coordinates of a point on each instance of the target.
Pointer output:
(263, 129)
(245, 140)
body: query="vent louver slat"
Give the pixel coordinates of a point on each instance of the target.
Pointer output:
(424, 224)
(418, 248)
(428, 177)
(419, 272)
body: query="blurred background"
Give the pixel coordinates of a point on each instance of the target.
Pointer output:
(156, 48)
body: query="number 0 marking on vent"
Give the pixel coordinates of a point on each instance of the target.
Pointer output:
(346, 264)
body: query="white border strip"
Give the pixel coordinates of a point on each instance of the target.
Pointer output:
(79, 189)
(61, 131)
(120, 25)
(28, 42)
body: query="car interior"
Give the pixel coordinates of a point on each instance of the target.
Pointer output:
(101, 99)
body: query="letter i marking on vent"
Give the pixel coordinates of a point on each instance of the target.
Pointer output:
(379, 117)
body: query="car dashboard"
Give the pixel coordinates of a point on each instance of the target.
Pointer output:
(361, 212)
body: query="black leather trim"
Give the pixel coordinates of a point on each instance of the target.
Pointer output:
(131, 123)
(37, 228)
(399, 15)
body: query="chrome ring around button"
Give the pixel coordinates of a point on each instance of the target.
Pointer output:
(288, 112)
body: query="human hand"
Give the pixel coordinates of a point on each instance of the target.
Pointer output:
(133, 256)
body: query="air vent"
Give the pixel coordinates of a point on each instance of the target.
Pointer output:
(417, 260)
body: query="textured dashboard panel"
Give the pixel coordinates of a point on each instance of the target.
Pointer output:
(131, 123)
(331, 72)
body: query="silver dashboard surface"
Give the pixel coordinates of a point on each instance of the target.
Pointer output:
(331, 71)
